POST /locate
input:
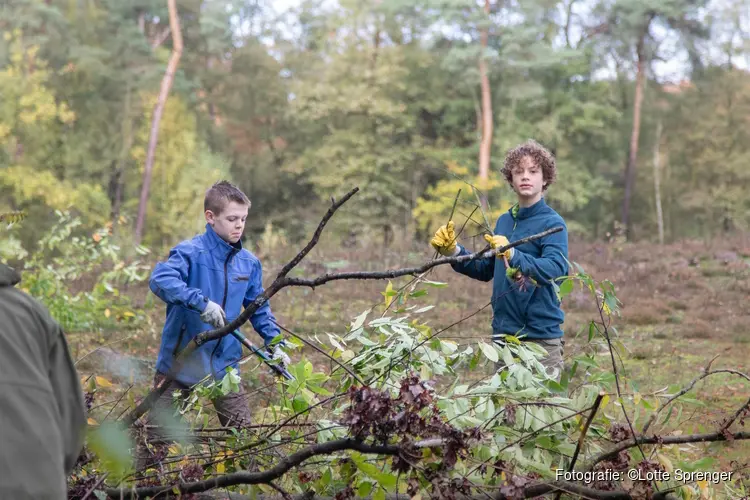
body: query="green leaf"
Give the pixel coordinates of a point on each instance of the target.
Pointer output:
(554, 386)
(379, 494)
(360, 320)
(435, 284)
(111, 444)
(423, 309)
(566, 287)
(388, 294)
(418, 293)
(384, 479)
(365, 488)
(489, 351)
(592, 330)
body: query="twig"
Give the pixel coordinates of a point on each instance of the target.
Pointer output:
(314, 240)
(96, 485)
(726, 425)
(281, 491)
(687, 388)
(690, 438)
(102, 347)
(617, 376)
(582, 437)
(321, 351)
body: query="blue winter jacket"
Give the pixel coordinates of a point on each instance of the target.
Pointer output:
(534, 312)
(198, 270)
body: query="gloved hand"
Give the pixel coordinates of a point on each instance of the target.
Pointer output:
(277, 354)
(214, 315)
(444, 240)
(499, 241)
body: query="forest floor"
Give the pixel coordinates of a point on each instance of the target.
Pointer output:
(683, 304)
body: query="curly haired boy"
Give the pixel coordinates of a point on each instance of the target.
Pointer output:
(524, 300)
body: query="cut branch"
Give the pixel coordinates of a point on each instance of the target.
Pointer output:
(395, 273)
(690, 438)
(296, 459)
(263, 477)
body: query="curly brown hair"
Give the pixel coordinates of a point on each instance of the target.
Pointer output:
(540, 155)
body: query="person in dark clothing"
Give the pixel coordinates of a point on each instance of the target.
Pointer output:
(531, 310)
(42, 411)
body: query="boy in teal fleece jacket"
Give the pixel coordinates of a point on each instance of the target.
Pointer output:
(526, 307)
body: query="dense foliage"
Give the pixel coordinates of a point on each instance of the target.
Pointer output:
(384, 95)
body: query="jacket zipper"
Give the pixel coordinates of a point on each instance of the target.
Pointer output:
(223, 300)
(226, 278)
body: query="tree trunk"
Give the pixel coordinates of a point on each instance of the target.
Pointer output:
(485, 145)
(166, 85)
(633, 156)
(657, 184)
(119, 167)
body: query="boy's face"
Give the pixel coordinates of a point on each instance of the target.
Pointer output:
(528, 180)
(230, 223)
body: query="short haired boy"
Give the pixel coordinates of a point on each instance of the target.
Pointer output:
(531, 309)
(206, 282)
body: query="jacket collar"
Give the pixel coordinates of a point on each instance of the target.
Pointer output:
(8, 276)
(221, 245)
(527, 212)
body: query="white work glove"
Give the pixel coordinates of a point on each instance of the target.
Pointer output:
(277, 354)
(214, 315)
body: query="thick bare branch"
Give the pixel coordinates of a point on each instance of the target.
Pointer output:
(689, 438)
(263, 477)
(316, 236)
(294, 460)
(396, 273)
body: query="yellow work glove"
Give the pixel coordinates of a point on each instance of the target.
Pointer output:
(499, 241)
(444, 240)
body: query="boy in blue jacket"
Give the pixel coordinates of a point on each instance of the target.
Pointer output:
(528, 307)
(206, 282)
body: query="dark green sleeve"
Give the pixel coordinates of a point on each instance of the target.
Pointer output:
(69, 397)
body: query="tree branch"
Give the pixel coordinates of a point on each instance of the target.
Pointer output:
(395, 273)
(264, 477)
(706, 373)
(314, 240)
(690, 438)
(288, 463)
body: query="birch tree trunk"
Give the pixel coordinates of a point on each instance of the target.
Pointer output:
(657, 184)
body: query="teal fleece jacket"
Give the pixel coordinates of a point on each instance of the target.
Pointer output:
(534, 312)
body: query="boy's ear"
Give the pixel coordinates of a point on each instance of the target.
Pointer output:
(210, 217)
